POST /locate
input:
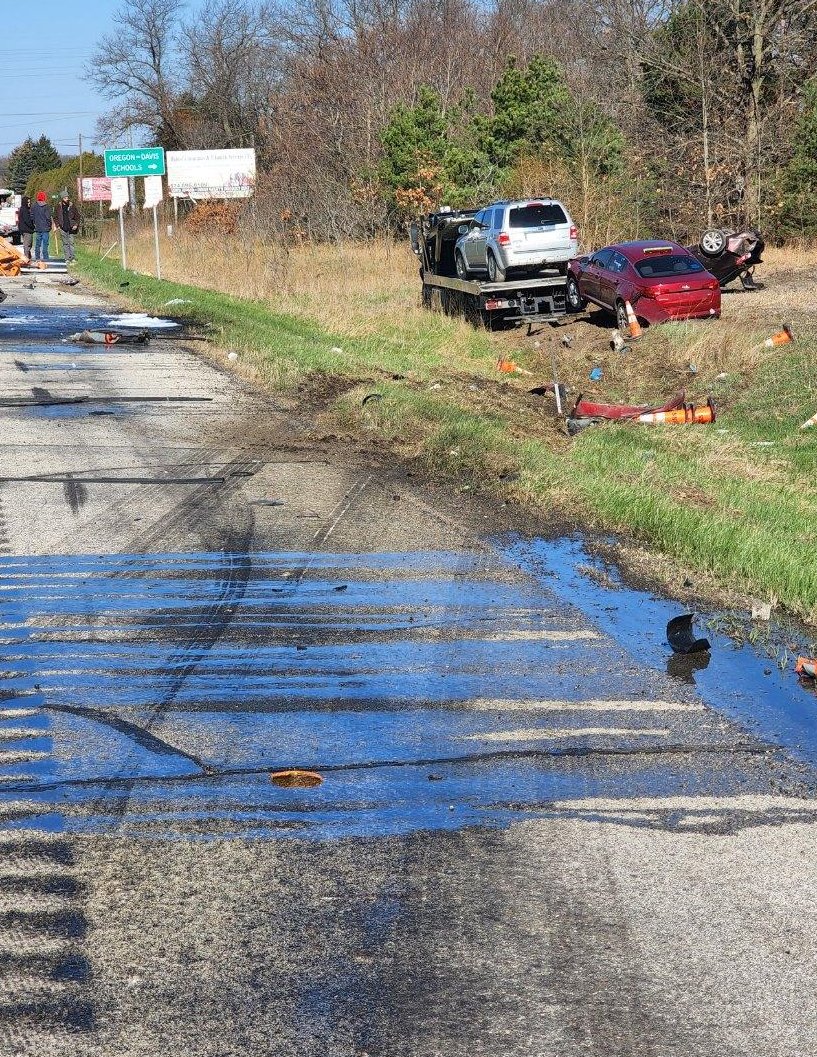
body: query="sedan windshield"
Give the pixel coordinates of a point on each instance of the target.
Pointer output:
(667, 265)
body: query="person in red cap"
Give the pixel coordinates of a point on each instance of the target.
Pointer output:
(43, 222)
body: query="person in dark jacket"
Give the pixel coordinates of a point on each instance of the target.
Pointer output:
(43, 222)
(25, 225)
(67, 219)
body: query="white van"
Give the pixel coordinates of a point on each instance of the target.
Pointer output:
(9, 204)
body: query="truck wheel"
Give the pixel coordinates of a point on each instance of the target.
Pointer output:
(462, 270)
(573, 295)
(495, 273)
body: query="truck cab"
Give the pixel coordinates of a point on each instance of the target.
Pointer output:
(9, 205)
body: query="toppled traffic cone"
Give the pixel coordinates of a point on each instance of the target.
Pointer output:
(510, 367)
(687, 415)
(810, 422)
(806, 667)
(782, 337)
(633, 326)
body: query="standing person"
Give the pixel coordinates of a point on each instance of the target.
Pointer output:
(25, 225)
(67, 219)
(43, 221)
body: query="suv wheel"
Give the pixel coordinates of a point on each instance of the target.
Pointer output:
(575, 301)
(495, 273)
(462, 270)
(713, 242)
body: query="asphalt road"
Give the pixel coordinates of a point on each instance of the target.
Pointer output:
(527, 842)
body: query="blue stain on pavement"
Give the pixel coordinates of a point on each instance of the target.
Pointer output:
(153, 694)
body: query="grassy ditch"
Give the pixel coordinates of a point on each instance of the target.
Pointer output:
(736, 501)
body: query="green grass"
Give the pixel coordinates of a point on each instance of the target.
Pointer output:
(712, 500)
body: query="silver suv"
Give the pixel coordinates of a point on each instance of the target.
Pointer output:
(518, 236)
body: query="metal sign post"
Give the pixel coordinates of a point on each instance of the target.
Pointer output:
(156, 244)
(124, 253)
(120, 196)
(154, 194)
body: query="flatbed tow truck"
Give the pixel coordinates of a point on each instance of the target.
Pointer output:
(516, 301)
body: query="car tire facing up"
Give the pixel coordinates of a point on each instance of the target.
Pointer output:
(575, 301)
(622, 322)
(713, 243)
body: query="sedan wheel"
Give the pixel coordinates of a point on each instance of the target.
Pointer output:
(622, 322)
(575, 301)
(713, 242)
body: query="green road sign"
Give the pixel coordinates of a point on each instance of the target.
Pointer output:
(135, 161)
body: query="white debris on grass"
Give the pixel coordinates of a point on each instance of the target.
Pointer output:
(232, 355)
(177, 301)
(139, 321)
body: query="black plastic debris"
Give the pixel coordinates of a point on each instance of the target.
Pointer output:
(681, 635)
(371, 396)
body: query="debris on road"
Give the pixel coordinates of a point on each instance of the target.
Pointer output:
(11, 261)
(681, 635)
(296, 779)
(761, 610)
(108, 337)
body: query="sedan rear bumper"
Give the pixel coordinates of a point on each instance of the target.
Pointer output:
(653, 312)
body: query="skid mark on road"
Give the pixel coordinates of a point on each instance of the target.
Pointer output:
(154, 694)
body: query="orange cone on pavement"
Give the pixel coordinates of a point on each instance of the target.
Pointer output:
(633, 326)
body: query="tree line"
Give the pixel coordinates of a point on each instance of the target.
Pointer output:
(644, 115)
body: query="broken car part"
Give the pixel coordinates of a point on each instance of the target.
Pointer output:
(681, 636)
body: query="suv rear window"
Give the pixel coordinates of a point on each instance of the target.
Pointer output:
(537, 216)
(668, 264)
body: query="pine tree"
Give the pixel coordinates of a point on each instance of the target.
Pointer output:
(30, 157)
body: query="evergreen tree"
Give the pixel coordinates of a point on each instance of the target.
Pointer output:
(30, 157)
(799, 201)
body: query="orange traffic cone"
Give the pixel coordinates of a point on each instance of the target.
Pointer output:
(811, 422)
(683, 416)
(633, 326)
(782, 337)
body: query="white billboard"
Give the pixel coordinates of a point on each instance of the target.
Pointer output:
(201, 174)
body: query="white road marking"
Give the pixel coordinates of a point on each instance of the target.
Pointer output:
(557, 734)
(508, 705)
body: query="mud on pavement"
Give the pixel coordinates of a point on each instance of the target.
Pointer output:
(532, 837)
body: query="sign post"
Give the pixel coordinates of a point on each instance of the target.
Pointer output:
(135, 161)
(153, 196)
(120, 196)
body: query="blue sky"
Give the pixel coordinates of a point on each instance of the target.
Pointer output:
(45, 46)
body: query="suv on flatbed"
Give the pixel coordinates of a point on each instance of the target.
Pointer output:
(522, 237)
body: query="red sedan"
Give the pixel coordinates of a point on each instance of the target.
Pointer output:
(661, 280)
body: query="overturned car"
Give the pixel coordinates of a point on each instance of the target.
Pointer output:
(730, 255)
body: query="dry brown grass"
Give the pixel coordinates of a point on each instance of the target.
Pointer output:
(352, 288)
